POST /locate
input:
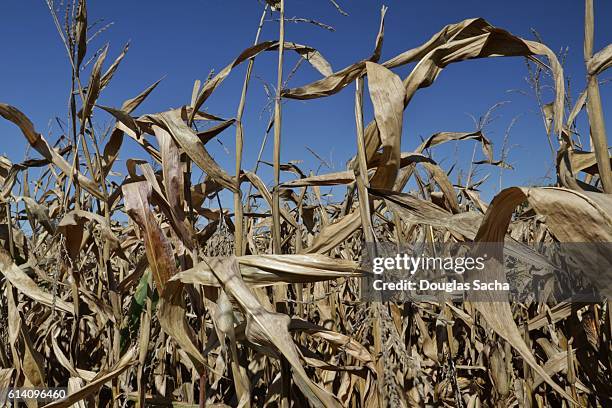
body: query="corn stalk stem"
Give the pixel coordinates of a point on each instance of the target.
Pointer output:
(276, 221)
(238, 210)
(368, 232)
(594, 106)
(362, 178)
(598, 133)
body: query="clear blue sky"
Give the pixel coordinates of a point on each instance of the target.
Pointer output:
(184, 40)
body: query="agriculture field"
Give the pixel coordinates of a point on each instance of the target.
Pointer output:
(201, 244)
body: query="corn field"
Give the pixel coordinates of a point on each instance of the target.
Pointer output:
(146, 291)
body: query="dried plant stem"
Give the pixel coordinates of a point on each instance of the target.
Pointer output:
(9, 226)
(598, 133)
(337, 6)
(238, 209)
(368, 231)
(362, 179)
(361, 150)
(276, 221)
(145, 334)
(594, 105)
(258, 161)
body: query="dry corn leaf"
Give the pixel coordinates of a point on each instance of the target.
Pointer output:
(126, 361)
(188, 140)
(38, 142)
(309, 54)
(329, 179)
(387, 94)
(571, 216)
(27, 286)
(264, 270)
(171, 308)
(268, 329)
(600, 61)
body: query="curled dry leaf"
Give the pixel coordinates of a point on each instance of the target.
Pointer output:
(38, 142)
(268, 329)
(329, 179)
(309, 54)
(27, 286)
(171, 310)
(387, 94)
(571, 217)
(127, 360)
(264, 270)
